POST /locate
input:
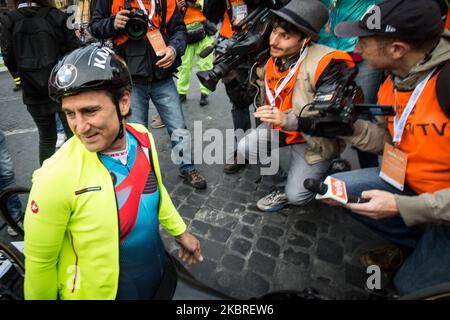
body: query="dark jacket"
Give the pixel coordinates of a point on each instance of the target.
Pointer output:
(139, 54)
(66, 38)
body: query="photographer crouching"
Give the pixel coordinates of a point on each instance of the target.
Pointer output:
(407, 199)
(292, 74)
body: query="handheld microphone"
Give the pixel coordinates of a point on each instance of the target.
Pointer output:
(337, 192)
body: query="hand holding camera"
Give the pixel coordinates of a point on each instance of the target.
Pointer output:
(121, 19)
(271, 115)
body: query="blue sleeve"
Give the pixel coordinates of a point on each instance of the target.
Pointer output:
(102, 22)
(177, 32)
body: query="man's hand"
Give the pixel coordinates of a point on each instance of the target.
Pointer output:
(181, 4)
(121, 19)
(190, 251)
(271, 115)
(168, 58)
(381, 205)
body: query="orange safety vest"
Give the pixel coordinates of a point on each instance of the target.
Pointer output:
(447, 22)
(284, 100)
(119, 4)
(426, 139)
(226, 30)
(193, 15)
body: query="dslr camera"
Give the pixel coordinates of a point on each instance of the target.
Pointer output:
(136, 27)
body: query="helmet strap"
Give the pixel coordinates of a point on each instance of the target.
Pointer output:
(121, 132)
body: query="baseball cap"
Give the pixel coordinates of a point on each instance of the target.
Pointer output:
(404, 19)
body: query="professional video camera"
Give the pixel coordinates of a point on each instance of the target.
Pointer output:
(249, 44)
(337, 103)
(136, 27)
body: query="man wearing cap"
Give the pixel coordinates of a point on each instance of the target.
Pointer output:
(405, 203)
(93, 215)
(292, 74)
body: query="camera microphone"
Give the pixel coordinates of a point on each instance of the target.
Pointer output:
(206, 52)
(331, 188)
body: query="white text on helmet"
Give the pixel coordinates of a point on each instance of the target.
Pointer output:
(101, 57)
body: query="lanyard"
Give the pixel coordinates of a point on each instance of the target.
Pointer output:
(291, 73)
(152, 13)
(399, 124)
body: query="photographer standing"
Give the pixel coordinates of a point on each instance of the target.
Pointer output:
(199, 37)
(295, 70)
(152, 60)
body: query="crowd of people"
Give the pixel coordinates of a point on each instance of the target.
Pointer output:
(97, 203)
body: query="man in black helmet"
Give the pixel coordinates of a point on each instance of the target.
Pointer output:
(92, 221)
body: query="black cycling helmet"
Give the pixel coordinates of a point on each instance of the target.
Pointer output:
(89, 68)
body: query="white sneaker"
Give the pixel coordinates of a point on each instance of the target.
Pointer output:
(274, 201)
(61, 139)
(13, 232)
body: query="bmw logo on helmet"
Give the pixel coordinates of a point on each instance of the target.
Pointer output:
(66, 76)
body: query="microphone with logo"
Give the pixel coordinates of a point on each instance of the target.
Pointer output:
(331, 188)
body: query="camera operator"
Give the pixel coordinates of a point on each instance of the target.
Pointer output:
(230, 12)
(291, 76)
(152, 60)
(199, 36)
(410, 45)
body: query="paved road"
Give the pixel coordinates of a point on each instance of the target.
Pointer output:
(248, 253)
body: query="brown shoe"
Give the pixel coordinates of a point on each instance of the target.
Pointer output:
(157, 122)
(231, 165)
(194, 179)
(387, 257)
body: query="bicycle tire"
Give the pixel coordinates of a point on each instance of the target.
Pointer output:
(4, 212)
(16, 258)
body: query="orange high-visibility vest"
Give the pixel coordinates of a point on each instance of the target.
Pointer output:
(119, 4)
(226, 30)
(193, 15)
(284, 100)
(426, 138)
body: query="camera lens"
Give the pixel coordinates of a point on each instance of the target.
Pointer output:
(136, 28)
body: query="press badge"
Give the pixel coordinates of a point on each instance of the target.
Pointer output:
(239, 11)
(156, 40)
(393, 166)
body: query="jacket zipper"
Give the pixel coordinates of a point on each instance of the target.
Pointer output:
(76, 263)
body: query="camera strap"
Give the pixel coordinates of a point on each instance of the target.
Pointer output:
(272, 98)
(152, 12)
(399, 124)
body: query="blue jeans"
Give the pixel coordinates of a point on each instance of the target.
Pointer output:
(165, 97)
(7, 179)
(59, 125)
(428, 263)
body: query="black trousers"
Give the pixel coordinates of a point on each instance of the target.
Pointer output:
(44, 118)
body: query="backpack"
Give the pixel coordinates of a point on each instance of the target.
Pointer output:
(35, 49)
